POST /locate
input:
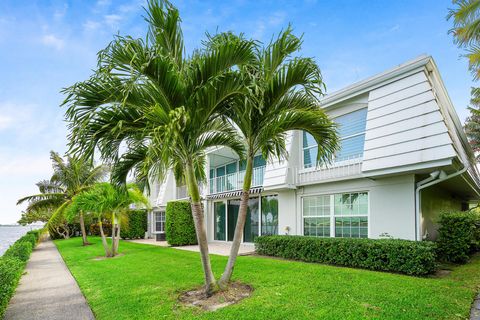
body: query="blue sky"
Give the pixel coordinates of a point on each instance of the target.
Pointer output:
(47, 45)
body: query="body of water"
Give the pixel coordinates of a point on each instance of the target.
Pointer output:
(10, 234)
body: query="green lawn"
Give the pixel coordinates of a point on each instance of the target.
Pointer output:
(145, 283)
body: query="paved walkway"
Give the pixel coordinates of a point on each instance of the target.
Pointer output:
(48, 290)
(219, 248)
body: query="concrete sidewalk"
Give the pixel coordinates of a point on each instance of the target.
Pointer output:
(48, 290)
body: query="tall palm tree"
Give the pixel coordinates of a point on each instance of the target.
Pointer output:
(106, 201)
(69, 178)
(466, 30)
(148, 108)
(283, 96)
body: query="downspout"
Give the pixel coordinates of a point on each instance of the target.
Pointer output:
(430, 181)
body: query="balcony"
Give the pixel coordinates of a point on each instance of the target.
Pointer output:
(345, 169)
(234, 181)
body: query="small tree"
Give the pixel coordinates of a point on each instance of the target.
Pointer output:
(69, 179)
(104, 200)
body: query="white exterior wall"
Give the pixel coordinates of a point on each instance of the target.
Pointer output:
(405, 125)
(391, 204)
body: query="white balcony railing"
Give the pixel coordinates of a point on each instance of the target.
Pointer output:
(335, 171)
(234, 181)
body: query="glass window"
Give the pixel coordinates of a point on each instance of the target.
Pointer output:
(219, 223)
(351, 129)
(269, 215)
(316, 216)
(258, 161)
(160, 221)
(317, 227)
(231, 167)
(348, 212)
(250, 231)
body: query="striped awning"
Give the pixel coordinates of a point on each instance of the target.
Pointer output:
(233, 194)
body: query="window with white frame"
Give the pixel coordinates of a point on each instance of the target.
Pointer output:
(351, 129)
(336, 215)
(160, 221)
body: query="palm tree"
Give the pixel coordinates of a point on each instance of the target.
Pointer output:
(466, 30)
(106, 201)
(149, 109)
(283, 97)
(69, 179)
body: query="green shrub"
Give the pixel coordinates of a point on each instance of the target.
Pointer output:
(20, 250)
(179, 226)
(137, 225)
(10, 272)
(95, 228)
(36, 233)
(31, 238)
(394, 255)
(457, 236)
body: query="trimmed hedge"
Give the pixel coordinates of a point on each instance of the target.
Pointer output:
(458, 236)
(21, 249)
(179, 226)
(137, 225)
(10, 271)
(11, 266)
(394, 255)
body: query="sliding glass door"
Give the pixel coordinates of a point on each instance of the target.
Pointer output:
(250, 231)
(226, 215)
(220, 222)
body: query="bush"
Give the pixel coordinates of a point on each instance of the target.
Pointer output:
(21, 250)
(402, 256)
(458, 236)
(31, 238)
(107, 228)
(10, 271)
(36, 233)
(137, 225)
(179, 226)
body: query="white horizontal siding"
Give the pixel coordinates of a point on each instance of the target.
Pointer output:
(412, 145)
(393, 107)
(409, 135)
(405, 126)
(421, 156)
(400, 95)
(403, 114)
(398, 85)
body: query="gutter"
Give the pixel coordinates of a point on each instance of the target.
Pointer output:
(430, 181)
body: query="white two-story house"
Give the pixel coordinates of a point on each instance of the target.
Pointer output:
(404, 159)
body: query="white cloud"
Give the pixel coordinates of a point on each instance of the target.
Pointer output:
(91, 25)
(277, 18)
(60, 12)
(53, 41)
(112, 19)
(5, 122)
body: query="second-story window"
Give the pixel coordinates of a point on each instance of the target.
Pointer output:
(351, 129)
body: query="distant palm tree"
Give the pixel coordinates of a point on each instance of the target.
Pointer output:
(149, 109)
(283, 96)
(69, 178)
(105, 201)
(466, 30)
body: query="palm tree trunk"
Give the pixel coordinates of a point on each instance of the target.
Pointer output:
(242, 216)
(117, 239)
(113, 235)
(84, 233)
(104, 240)
(199, 220)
